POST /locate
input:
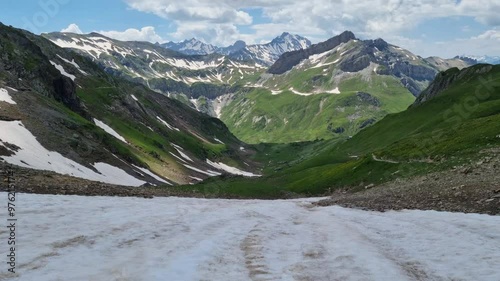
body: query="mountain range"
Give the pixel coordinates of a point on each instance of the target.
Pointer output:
(265, 54)
(344, 113)
(341, 85)
(65, 113)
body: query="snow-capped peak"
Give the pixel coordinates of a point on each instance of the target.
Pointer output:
(192, 46)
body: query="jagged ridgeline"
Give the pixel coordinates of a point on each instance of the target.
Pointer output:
(62, 112)
(330, 90)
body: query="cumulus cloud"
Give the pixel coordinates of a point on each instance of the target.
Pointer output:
(146, 33)
(72, 28)
(220, 21)
(493, 34)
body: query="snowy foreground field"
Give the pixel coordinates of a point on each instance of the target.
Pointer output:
(169, 239)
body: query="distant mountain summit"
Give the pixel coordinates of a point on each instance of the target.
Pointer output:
(482, 59)
(265, 54)
(191, 47)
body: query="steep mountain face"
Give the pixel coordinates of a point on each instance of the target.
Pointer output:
(448, 78)
(237, 46)
(61, 112)
(191, 47)
(267, 54)
(163, 70)
(290, 59)
(413, 71)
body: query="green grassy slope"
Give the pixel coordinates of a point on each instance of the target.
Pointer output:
(260, 116)
(65, 108)
(447, 130)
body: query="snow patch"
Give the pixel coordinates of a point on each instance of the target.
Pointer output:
(208, 173)
(218, 140)
(73, 63)
(182, 238)
(231, 170)
(153, 175)
(195, 178)
(109, 130)
(62, 71)
(5, 97)
(168, 125)
(34, 156)
(181, 153)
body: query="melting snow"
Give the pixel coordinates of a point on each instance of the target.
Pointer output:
(5, 97)
(182, 154)
(208, 173)
(168, 125)
(62, 71)
(182, 160)
(192, 65)
(109, 130)
(134, 97)
(109, 238)
(72, 62)
(153, 175)
(195, 178)
(231, 170)
(218, 140)
(33, 155)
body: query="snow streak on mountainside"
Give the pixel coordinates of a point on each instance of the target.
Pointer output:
(197, 239)
(147, 62)
(28, 152)
(61, 112)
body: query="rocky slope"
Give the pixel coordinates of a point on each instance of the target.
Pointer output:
(290, 59)
(61, 112)
(447, 78)
(269, 53)
(191, 47)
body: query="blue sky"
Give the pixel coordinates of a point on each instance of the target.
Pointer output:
(426, 27)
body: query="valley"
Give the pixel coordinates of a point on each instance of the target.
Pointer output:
(250, 140)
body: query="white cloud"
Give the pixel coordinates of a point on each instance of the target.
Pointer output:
(73, 28)
(220, 21)
(146, 33)
(493, 34)
(482, 44)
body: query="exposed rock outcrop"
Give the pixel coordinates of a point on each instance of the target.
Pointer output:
(290, 59)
